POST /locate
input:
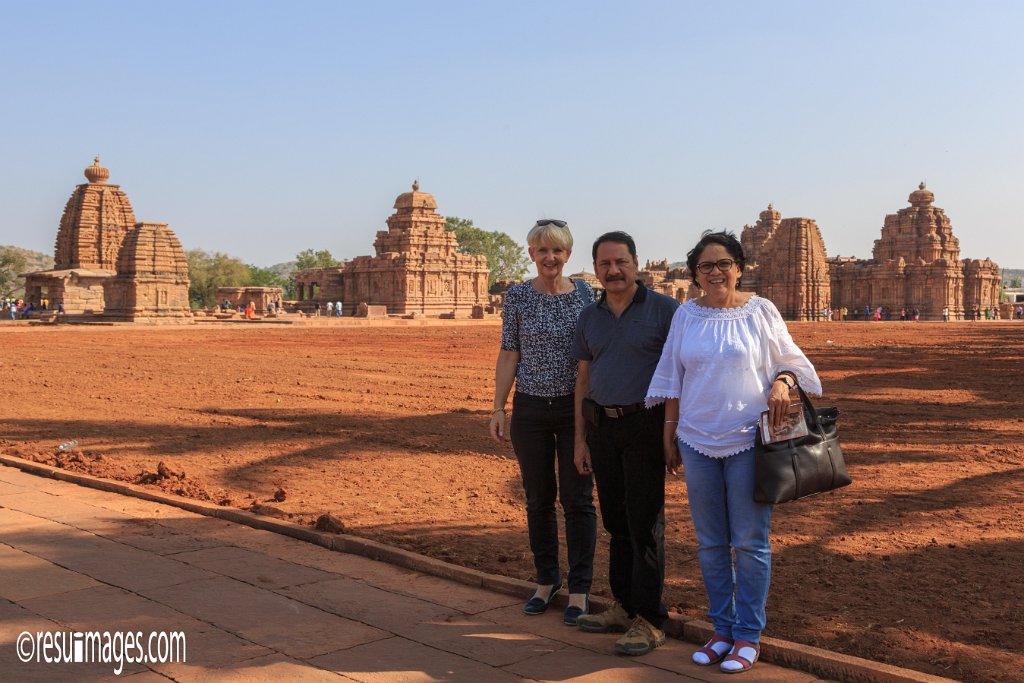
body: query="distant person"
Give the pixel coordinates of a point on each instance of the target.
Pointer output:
(538, 322)
(1020, 312)
(330, 309)
(867, 313)
(250, 311)
(917, 313)
(945, 314)
(728, 357)
(337, 309)
(316, 310)
(878, 314)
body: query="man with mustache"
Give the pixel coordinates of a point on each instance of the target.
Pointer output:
(618, 344)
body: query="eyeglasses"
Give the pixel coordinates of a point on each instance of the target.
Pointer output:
(707, 266)
(550, 221)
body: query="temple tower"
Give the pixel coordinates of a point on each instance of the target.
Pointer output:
(753, 239)
(794, 270)
(418, 267)
(95, 221)
(152, 278)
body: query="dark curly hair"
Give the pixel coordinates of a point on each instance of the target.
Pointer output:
(724, 237)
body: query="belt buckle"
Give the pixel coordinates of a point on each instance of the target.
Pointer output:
(613, 411)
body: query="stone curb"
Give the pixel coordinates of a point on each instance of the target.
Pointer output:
(813, 660)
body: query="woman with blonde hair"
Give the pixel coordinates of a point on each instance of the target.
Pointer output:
(538, 323)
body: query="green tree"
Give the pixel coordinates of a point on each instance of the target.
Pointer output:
(311, 258)
(208, 271)
(12, 263)
(265, 277)
(506, 259)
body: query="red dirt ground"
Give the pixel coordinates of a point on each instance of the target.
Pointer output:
(920, 563)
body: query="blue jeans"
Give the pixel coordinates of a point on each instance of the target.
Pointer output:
(543, 437)
(728, 522)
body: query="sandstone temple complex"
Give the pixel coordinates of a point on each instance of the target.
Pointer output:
(106, 264)
(916, 264)
(417, 269)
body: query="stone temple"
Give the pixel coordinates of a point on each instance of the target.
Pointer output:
(107, 264)
(787, 263)
(916, 264)
(417, 269)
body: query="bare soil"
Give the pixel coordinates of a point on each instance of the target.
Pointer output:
(920, 563)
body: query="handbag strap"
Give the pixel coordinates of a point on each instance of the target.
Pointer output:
(810, 408)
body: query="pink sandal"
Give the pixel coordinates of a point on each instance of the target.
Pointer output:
(744, 653)
(711, 653)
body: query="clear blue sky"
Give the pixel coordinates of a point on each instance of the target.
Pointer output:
(261, 129)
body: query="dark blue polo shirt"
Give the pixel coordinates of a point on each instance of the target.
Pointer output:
(623, 352)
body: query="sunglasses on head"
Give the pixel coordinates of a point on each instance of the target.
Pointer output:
(550, 221)
(722, 264)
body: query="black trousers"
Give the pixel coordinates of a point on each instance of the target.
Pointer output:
(629, 465)
(543, 437)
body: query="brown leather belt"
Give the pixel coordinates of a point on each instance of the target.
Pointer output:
(622, 411)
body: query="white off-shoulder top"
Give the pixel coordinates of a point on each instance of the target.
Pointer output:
(720, 363)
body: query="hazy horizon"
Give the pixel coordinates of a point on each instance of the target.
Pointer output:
(260, 130)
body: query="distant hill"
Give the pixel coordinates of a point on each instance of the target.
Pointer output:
(1012, 275)
(285, 269)
(15, 261)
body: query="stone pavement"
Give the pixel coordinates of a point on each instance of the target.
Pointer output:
(259, 606)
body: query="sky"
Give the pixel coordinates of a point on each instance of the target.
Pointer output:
(260, 129)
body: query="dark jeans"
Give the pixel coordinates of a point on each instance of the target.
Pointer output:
(542, 434)
(628, 456)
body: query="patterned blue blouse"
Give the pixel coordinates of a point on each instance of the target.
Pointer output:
(541, 328)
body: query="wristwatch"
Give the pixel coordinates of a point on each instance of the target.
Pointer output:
(787, 380)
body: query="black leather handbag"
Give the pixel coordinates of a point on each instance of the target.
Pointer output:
(801, 467)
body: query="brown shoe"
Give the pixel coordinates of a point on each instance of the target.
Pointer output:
(614, 620)
(641, 638)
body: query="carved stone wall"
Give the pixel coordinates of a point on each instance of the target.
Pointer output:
(239, 297)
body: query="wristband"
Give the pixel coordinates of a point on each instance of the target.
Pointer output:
(497, 410)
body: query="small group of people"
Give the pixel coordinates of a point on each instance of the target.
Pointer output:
(334, 309)
(19, 309)
(828, 314)
(11, 308)
(620, 390)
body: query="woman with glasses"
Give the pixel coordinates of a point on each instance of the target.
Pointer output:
(728, 357)
(538, 323)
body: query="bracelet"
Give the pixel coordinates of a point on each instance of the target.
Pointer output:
(497, 410)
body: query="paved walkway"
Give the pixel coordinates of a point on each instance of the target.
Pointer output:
(258, 606)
